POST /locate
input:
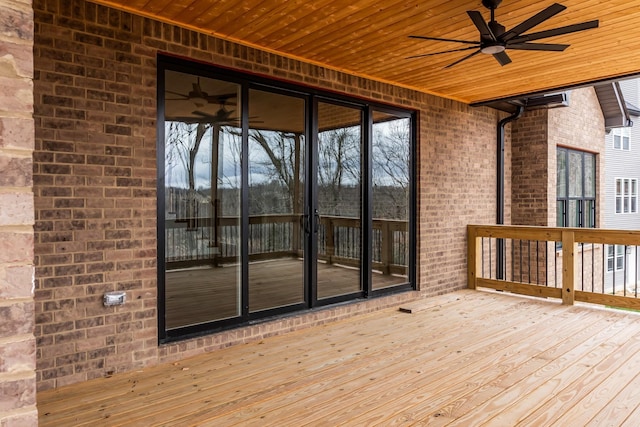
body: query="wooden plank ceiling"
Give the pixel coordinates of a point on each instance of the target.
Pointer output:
(369, 38)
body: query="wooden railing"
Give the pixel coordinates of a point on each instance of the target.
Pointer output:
(202, 241)
(572, 264)
(339, 243)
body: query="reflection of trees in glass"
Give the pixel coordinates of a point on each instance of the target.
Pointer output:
(575, 174)
(391, 177)
(194, 153)
(183, 142)
(339, 171)
(275, 171)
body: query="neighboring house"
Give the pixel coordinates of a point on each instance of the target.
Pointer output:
(622, 177)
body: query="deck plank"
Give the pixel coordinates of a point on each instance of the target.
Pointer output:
(559, 360)
(472, 357)
(334, 354)
(475, 383)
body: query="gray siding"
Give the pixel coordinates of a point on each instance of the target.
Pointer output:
(622, 164)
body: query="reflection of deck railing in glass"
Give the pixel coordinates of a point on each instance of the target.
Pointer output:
(193, 242)
(339, 243)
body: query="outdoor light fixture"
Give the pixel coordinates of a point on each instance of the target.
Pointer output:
(492, 49)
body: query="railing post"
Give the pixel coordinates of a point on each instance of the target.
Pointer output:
(569, 249)
(474, 260)
(386, 252)
(329, 240)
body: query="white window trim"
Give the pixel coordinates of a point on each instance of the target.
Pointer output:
(619, 252)
(622, 133)
(622, 196)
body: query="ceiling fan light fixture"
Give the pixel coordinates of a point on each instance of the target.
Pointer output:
(199, 101)
(492, 49)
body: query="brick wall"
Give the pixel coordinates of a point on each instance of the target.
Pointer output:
(530, 173)
(536, 136)
(17, 343)
(95, 168)
(580, 127)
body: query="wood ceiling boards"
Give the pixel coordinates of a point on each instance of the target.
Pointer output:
(369, 38)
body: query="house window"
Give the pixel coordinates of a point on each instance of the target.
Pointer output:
(621, 138)
(626, 195)
(576, 188)
(615, 257)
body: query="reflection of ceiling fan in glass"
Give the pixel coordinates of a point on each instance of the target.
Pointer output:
(201, 100)
(222, 115)
(204, 104)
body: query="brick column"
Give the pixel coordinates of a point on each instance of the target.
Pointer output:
(17, 342)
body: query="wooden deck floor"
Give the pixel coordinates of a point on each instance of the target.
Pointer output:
(467, 358)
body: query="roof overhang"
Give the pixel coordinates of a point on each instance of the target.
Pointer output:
(613, 106)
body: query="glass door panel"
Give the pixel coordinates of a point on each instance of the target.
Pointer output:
(201, 200)
(276, 200)
(338, 214)
(390, 160)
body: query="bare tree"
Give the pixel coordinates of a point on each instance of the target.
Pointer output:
(284, 156)
(338, 168)
(391, 174)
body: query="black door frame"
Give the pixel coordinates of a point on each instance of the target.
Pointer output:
(312, 96)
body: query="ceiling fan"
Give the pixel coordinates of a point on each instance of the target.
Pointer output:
(221, 116)
(494, 40)
(201, 98)
(224, 117)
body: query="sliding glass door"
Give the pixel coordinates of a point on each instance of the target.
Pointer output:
(276, 166)
(275, 199)
(339, 193)
(391, 199)
(201, 208)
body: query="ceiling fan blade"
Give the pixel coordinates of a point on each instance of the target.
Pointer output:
(445, 51)
(444, 40)
(203, 114)
(536, 19)
(556, 31)
(177, 94)
(502, 58)
(481, 25)
(222, 98)
(463, 59)
(538, 46)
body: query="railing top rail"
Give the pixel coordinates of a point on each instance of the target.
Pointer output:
(581, 235)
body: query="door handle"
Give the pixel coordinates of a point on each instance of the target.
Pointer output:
(304, 222)
(316, 224)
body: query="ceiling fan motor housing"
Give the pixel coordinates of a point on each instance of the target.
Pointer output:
(491, 4)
